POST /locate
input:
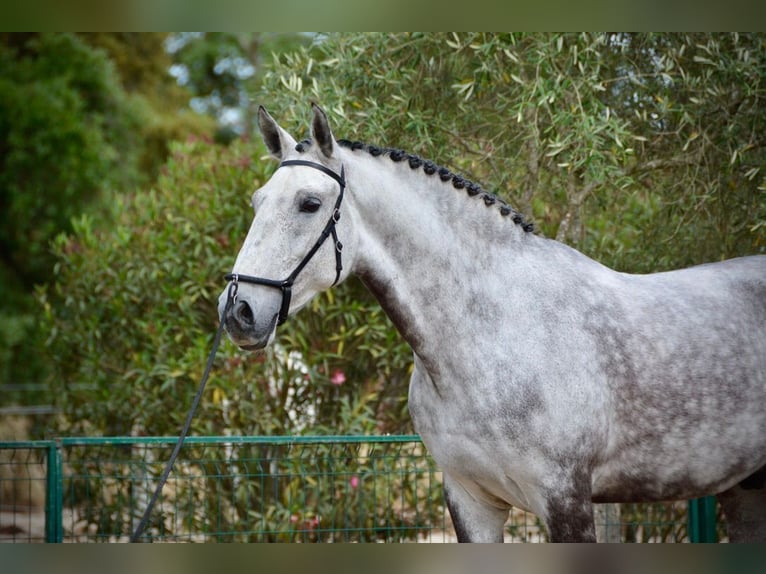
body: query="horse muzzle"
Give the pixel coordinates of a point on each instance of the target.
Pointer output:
(247, 329)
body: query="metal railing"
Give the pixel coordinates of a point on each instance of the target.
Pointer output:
(259, 489)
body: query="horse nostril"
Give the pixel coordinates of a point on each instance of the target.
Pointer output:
(244, 314)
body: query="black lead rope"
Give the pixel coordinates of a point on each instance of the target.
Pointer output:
(230, 298)
(285, 286)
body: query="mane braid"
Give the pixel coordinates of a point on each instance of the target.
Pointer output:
(430, 168)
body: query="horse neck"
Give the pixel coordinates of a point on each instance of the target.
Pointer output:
(428, 252)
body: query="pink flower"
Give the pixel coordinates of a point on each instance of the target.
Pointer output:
(338, 377)
(354, 482)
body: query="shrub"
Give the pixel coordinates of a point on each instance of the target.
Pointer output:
(133, 311)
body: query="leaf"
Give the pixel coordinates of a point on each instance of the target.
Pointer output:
(703, 60)
(454, 43)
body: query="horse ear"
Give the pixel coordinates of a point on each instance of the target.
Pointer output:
(276, 139)
(320, 131)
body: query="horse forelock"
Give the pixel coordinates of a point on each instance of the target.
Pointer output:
(430, 168)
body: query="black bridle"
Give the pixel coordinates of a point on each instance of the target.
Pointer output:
(286, 285)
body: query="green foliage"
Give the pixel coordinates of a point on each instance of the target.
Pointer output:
(355, 489)
(65, 130)
(66, 134)
(83, 117)
(224, 69)
(75, 128)
(697, 114)
(645, 151)
(329, 492)
(133, 311)
(142, 64)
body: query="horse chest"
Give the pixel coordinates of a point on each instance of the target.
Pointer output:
(497, 444)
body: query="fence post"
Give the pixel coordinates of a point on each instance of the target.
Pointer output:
(54, 522)
(701, 516)
(607, 519)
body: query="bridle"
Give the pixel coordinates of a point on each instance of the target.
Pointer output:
(285, 285)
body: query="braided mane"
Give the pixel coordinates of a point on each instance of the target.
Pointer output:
(430, 168)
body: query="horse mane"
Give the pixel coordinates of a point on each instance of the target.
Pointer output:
(430, 168)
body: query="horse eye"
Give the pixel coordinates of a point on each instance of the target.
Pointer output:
(310, 205)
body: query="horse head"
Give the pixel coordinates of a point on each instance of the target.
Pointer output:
(292, 250)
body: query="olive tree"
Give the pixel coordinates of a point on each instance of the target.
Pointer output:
(644, 150)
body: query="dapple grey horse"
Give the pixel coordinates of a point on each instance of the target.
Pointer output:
(543, 379)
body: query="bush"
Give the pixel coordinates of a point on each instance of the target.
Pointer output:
(68, 133)
(76, 127)
(133, 312)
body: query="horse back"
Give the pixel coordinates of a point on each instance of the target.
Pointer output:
(686, 369)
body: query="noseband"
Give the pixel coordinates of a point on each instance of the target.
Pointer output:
(286, 285)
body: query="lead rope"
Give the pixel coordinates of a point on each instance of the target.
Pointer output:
(231, 298)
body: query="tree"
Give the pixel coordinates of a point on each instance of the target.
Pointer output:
(143, 64)
(643, 150)
(223, 70)
(75, 129)
(63, 130)
(699, 113)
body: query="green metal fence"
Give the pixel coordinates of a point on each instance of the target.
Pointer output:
(264, 489)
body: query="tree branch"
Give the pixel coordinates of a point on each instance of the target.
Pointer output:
(655, 164)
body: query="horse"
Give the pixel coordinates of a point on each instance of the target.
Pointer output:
(542, 379)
